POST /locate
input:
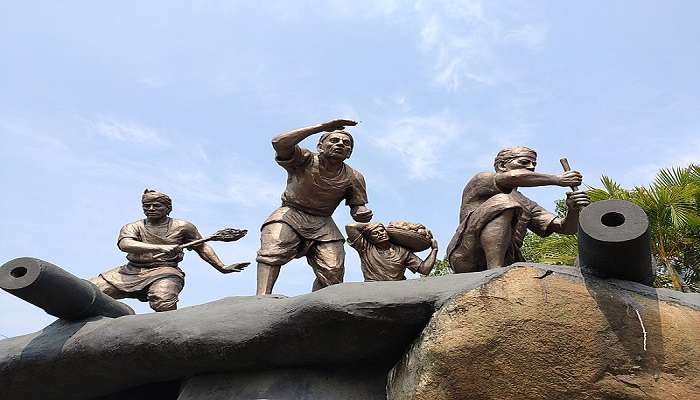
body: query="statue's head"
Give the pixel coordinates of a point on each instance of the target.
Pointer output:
(156, 205)
(376, 233)
(515, 158)
(336, 145)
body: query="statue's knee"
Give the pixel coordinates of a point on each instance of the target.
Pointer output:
(461, 264)
(101, 283)
(163, 294)
(504, 217)
(166, 303)
(330, 277)
(106, 287)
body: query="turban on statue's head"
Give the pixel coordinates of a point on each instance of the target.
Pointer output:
(367, 229)
(346, 133)
(511, 153)
(152, 195)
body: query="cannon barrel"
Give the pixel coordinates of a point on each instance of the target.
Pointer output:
(613, 241)
(56, 291)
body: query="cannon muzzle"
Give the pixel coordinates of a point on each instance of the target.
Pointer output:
(56, 291)
(613, 241)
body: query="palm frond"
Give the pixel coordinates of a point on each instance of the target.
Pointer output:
(610, 190)
(675, 176)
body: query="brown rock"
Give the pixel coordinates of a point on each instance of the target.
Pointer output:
(529, 335)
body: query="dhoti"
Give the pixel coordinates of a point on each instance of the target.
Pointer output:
(465, 252)
(160, 285)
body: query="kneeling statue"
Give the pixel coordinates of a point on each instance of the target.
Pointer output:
(154, 248)
(495, 216)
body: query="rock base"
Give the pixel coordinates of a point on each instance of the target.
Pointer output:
(530, 334)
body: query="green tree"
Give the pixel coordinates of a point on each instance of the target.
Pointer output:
(442, 267)
(555, 249)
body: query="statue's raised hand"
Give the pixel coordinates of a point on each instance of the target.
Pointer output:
(337, 124)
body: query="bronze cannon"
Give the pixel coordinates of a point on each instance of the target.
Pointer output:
(56, 291)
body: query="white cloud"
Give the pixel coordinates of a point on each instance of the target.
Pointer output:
(38, 140)
(666, 158)
(284, 10)
(366, 8)
(253, 191)
(248, 190)
(127, 132)
(467, 39)
(393, 102)
(463, 40)
(420, 142)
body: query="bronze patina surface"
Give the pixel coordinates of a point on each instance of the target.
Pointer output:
(316, 184)
(154, 248)
(494, 215)
(383, 260)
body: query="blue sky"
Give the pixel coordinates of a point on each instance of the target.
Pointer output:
(99, 100)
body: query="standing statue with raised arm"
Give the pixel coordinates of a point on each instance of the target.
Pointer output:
(316, 184)
(381, 259)
(495, 216)
(154, 248)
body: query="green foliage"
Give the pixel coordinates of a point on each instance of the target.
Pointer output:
(560, 208)
(555, 249)
(663, 281)
(442, 267)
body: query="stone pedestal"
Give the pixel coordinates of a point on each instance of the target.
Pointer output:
(530, 334)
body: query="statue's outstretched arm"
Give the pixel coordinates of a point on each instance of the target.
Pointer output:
(525, 178)
(285, 142)
(208, 254)
(133, 246)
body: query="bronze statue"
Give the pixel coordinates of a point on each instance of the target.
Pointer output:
(154, 248)
(383, 257)
(494, 215)
(316, 184)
